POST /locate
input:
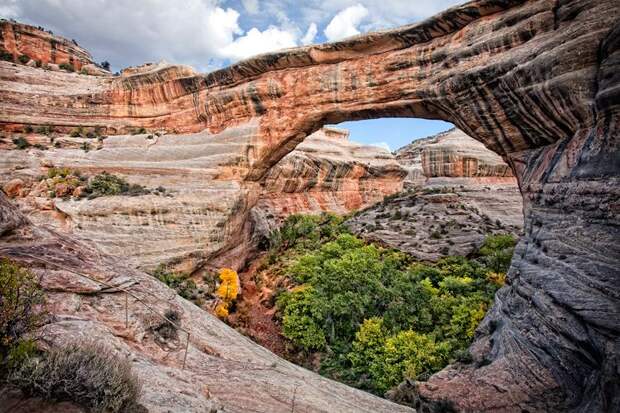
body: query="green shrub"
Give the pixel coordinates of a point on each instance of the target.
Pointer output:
(372, 316)
(140, 131)
(44, 130)
(67, 66)
(21, 143)
(180, 282)
(85, 146)
(88, 374)
(23, 59)
(497, 251)
(21, 301)
(76, 132)
(6, 56)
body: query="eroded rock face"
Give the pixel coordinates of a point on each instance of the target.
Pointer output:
(534, 81)
(327, 173)
(205, 212)
(39, 45)
(452, 154)
(458, 192)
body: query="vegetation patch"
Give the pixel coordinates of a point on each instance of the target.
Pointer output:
(372, 316)
(88, 374)
(183, 284)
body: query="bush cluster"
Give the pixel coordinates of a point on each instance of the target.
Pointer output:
(373, 316)
(21, 300)
(105, 184)
(88, 374)
(181, 283)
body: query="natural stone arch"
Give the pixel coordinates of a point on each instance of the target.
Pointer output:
(535, 81)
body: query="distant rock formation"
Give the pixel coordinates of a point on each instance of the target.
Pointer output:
(458, 192)
(41, 46)
(451, 154)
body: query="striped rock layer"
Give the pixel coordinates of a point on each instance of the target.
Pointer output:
(534, 81)
(21, 39)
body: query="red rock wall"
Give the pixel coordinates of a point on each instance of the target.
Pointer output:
(39, 45)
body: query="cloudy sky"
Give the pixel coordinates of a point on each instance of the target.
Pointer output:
(209, 34)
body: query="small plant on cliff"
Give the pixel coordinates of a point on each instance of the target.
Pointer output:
(88, 374)
(23, 59)
(6, 56)
(497, 252)
(77, 132)
(21, 305)
(67, 66)
(181, 283)
(227, 291)
(21, 143)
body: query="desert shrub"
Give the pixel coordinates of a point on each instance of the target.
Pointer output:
(21, 301)
(6, 56)
(44, 130)
(23, 59)
(21, 143)
(180, 282)
(497, 251)
(107, 184)
(165, 329)
(85, 146)
(76, 132)
(88, 374)
(67, 66)
(140, 131)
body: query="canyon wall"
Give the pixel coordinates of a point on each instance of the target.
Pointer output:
(534, 81)
(19, 39)
(204, 212)
(457, 193)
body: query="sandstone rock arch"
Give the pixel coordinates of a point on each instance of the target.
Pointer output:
(536, 81)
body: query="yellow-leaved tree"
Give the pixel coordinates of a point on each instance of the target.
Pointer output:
(227, 291)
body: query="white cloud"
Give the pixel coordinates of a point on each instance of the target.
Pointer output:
(199, 33)
(257, 42)
(345, 23)
(205, 33)
(310, 34)
(251, 6)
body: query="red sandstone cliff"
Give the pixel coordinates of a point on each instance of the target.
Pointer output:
(41, 46)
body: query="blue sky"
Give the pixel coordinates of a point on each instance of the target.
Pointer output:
(210, 34)
(393, 133)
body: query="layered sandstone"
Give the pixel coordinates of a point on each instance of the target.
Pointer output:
(534, 81)
(452, 154)
(40, 45)
(200, 216)
(327, 172)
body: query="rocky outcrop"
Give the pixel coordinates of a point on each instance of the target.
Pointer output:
(458, 192)
(41, 46)
(327, 172)
(534, 81)
(203, 212)
(452, 154)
